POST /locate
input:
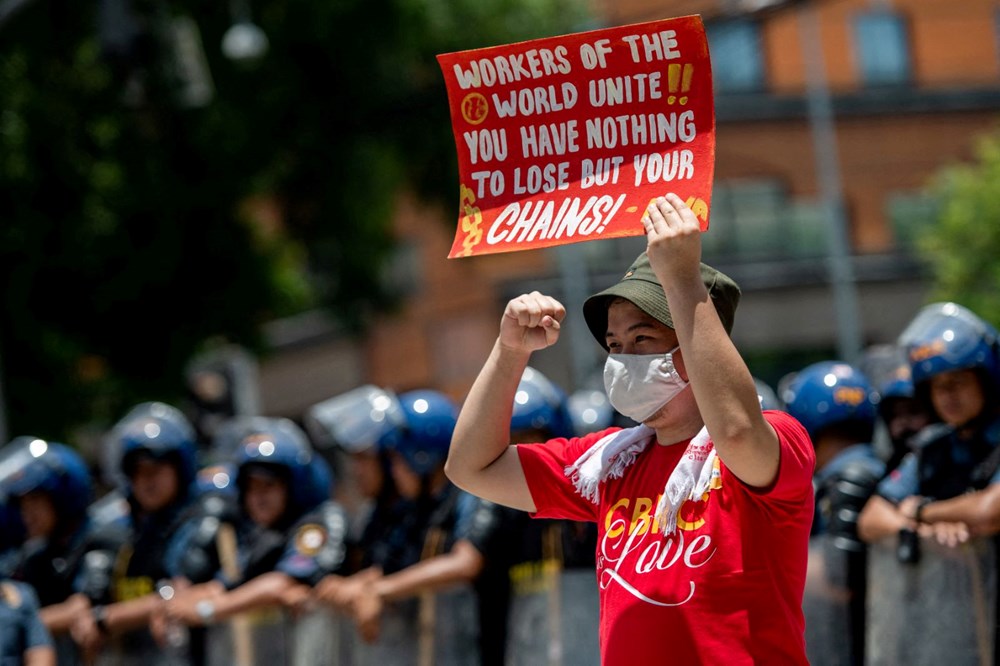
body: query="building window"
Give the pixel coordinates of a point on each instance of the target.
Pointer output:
(911, 216)
(745, 220)
(735, 49)
(882, 47)
(755, 219)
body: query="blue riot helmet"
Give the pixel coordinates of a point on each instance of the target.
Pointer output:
(228, 439)
(351, 431)
(590, 411)
(161, 439)
(430, 422)
(162, 412)
(279, 446)
(357, 420)
(176, 427)
(899, 385)
(540, 405)
(55, 469)
(831, 393)
(903, 415)
(217, 478)
(946, 336)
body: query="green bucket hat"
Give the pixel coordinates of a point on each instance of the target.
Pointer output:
(641, 286)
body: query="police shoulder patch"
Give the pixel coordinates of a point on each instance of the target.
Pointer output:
(11, 595)
(309, 539)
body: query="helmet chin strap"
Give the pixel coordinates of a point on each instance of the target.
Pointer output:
(977, 423)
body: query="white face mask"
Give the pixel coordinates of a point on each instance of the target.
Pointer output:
(640, 384)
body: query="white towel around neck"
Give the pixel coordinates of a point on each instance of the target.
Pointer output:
(611, 455)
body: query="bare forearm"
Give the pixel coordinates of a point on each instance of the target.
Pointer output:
(40, 656)
(979, 510)
(58, 618)
(128, 615)
(723, 388)
(483, 429)
(211, 589)
(722, 384)
(481, 459)
(879, 519)
(262, 591)
(461, 565)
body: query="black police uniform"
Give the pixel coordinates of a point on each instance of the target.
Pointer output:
(944, 465)
(307, 550)
(496, 533)
(390, 538)
(52, 566)
(150, 553)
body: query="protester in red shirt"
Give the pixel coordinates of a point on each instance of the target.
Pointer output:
(704, 510)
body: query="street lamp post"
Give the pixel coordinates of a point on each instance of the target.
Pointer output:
(821, 124)
(575, 289)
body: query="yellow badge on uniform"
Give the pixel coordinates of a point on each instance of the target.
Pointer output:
(309, 539)
(11, 595)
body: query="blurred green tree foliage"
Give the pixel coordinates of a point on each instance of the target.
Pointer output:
(964, 245)
(129, 232)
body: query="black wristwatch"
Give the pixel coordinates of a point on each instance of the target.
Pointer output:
(100, 614)
(920, 508)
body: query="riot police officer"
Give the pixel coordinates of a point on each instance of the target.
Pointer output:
(353, 429)
(156, 453)
(51, 486)
(946, 490)
(441, 539)
(950, 485)
(836, 404)
(540, 412)
(282, 537)
(551, 569)
(902, 414)
(23, 636)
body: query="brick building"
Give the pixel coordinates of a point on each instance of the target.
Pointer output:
(910, 84)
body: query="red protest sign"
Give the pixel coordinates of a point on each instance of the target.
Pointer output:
(567, 139)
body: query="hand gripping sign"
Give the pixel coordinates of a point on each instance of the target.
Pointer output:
(567, 139)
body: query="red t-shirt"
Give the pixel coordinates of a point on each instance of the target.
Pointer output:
(725, 588)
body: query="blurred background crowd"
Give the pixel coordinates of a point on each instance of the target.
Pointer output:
(243, 209)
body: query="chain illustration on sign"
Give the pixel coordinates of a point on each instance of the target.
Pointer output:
(698, 207)
(472, 220)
